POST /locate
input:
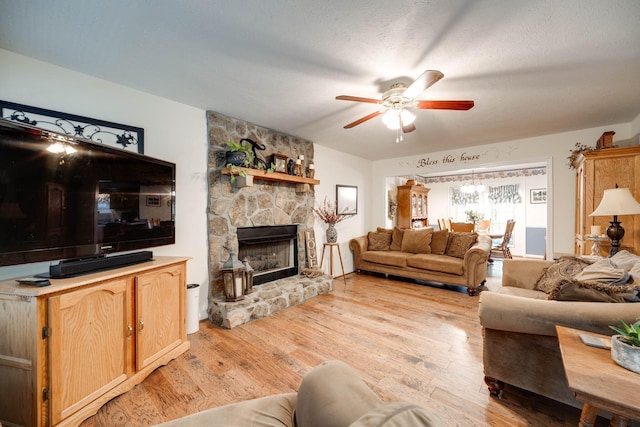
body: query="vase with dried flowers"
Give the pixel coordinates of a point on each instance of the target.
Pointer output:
(328, 214)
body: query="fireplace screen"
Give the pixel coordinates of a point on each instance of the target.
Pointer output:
(268, 257)
(270, 250)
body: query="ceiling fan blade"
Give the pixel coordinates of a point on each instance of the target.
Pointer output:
(358, 99)
(408, 128)
(445, 105)
(363, 119)
(419, 85)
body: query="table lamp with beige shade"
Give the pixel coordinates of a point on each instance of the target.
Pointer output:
(616, 201)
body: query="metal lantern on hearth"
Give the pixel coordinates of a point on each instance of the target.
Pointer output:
(248, 273)
(234, 276)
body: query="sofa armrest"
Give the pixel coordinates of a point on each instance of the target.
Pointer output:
(539, 317)
(523, 273)
(479, 251)
(358, 245)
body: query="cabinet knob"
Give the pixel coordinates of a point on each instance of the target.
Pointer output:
(129, 331)
(140, 325)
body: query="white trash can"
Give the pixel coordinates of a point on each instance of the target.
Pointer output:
(193, 308)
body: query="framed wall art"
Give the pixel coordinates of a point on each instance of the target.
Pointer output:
(538, 195)
(100, 131)
(280, 163)
(346, 199)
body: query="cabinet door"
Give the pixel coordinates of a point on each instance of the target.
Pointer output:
(90, 341)
(160, 313)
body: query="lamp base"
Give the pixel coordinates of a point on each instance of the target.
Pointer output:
(615, 233)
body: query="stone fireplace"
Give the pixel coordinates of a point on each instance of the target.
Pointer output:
(232, 211)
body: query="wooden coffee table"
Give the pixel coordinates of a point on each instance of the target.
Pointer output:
(597, 381)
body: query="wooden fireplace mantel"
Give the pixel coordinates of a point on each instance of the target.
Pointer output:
(267, 176)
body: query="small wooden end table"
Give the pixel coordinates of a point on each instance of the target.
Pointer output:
(598, 381)
(331, 246)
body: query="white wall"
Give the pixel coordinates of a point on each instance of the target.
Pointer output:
(336, 168)
(550, 149)
(174, 132)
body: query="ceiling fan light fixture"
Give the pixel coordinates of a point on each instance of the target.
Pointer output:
(395, 119)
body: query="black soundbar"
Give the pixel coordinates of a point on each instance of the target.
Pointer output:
(84, 266)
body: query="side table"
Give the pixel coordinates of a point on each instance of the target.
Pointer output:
(598, 381)
(331, 246)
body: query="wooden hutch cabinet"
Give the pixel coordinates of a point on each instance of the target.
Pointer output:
(68, 348)
(597, 171)
(412, 206)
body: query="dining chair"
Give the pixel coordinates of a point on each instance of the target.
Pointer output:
(504, 244)
(483, 226)
(462, 226)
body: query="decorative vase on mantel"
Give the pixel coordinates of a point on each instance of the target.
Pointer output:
(332, 234)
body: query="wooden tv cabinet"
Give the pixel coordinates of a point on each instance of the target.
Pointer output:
(68, 348)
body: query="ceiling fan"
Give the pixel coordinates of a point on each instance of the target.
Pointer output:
(397, 101)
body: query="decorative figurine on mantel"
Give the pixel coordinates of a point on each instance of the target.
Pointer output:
(290, 167)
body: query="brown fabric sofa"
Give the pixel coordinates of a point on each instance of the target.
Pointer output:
(520, 343)
(438, 256)
(330, 395)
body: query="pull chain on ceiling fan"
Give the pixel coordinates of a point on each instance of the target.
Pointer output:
(399, 98)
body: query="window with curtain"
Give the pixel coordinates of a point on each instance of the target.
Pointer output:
(497, 203)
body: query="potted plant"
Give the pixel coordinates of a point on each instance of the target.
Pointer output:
(625, 347)
(473, 216)
(329, 215)
(239, 154)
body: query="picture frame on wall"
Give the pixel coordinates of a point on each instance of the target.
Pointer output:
(346, 199)
(153, 201)
(538, 195)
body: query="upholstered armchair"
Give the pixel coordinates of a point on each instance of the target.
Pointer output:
(520, 343)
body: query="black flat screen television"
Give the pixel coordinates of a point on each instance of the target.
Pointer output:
(67, 198)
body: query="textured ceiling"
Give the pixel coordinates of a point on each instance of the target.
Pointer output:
(532, 67)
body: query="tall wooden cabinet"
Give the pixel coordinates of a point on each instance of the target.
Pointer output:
(68, 348)
(412, 206)
(597, 171)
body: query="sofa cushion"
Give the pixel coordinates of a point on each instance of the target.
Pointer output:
(563, 268)
(459, 243)
(378, 241)
(396, 239)
(522, 292)
(397, 414)
(439, 241)
(417, 241)
(394, 258)
(439, 263)
(576, 290)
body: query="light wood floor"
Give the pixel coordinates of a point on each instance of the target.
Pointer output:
(408, 341)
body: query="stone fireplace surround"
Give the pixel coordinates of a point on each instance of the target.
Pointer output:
(265, 203)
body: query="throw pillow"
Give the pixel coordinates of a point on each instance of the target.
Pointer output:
(625, 260)
(396, 239)
(575, 290)
(417, 241)
(459, 243)
(378, 241)
(439, 241)
(563, 268)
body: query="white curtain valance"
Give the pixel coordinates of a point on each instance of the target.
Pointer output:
(505, 194)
